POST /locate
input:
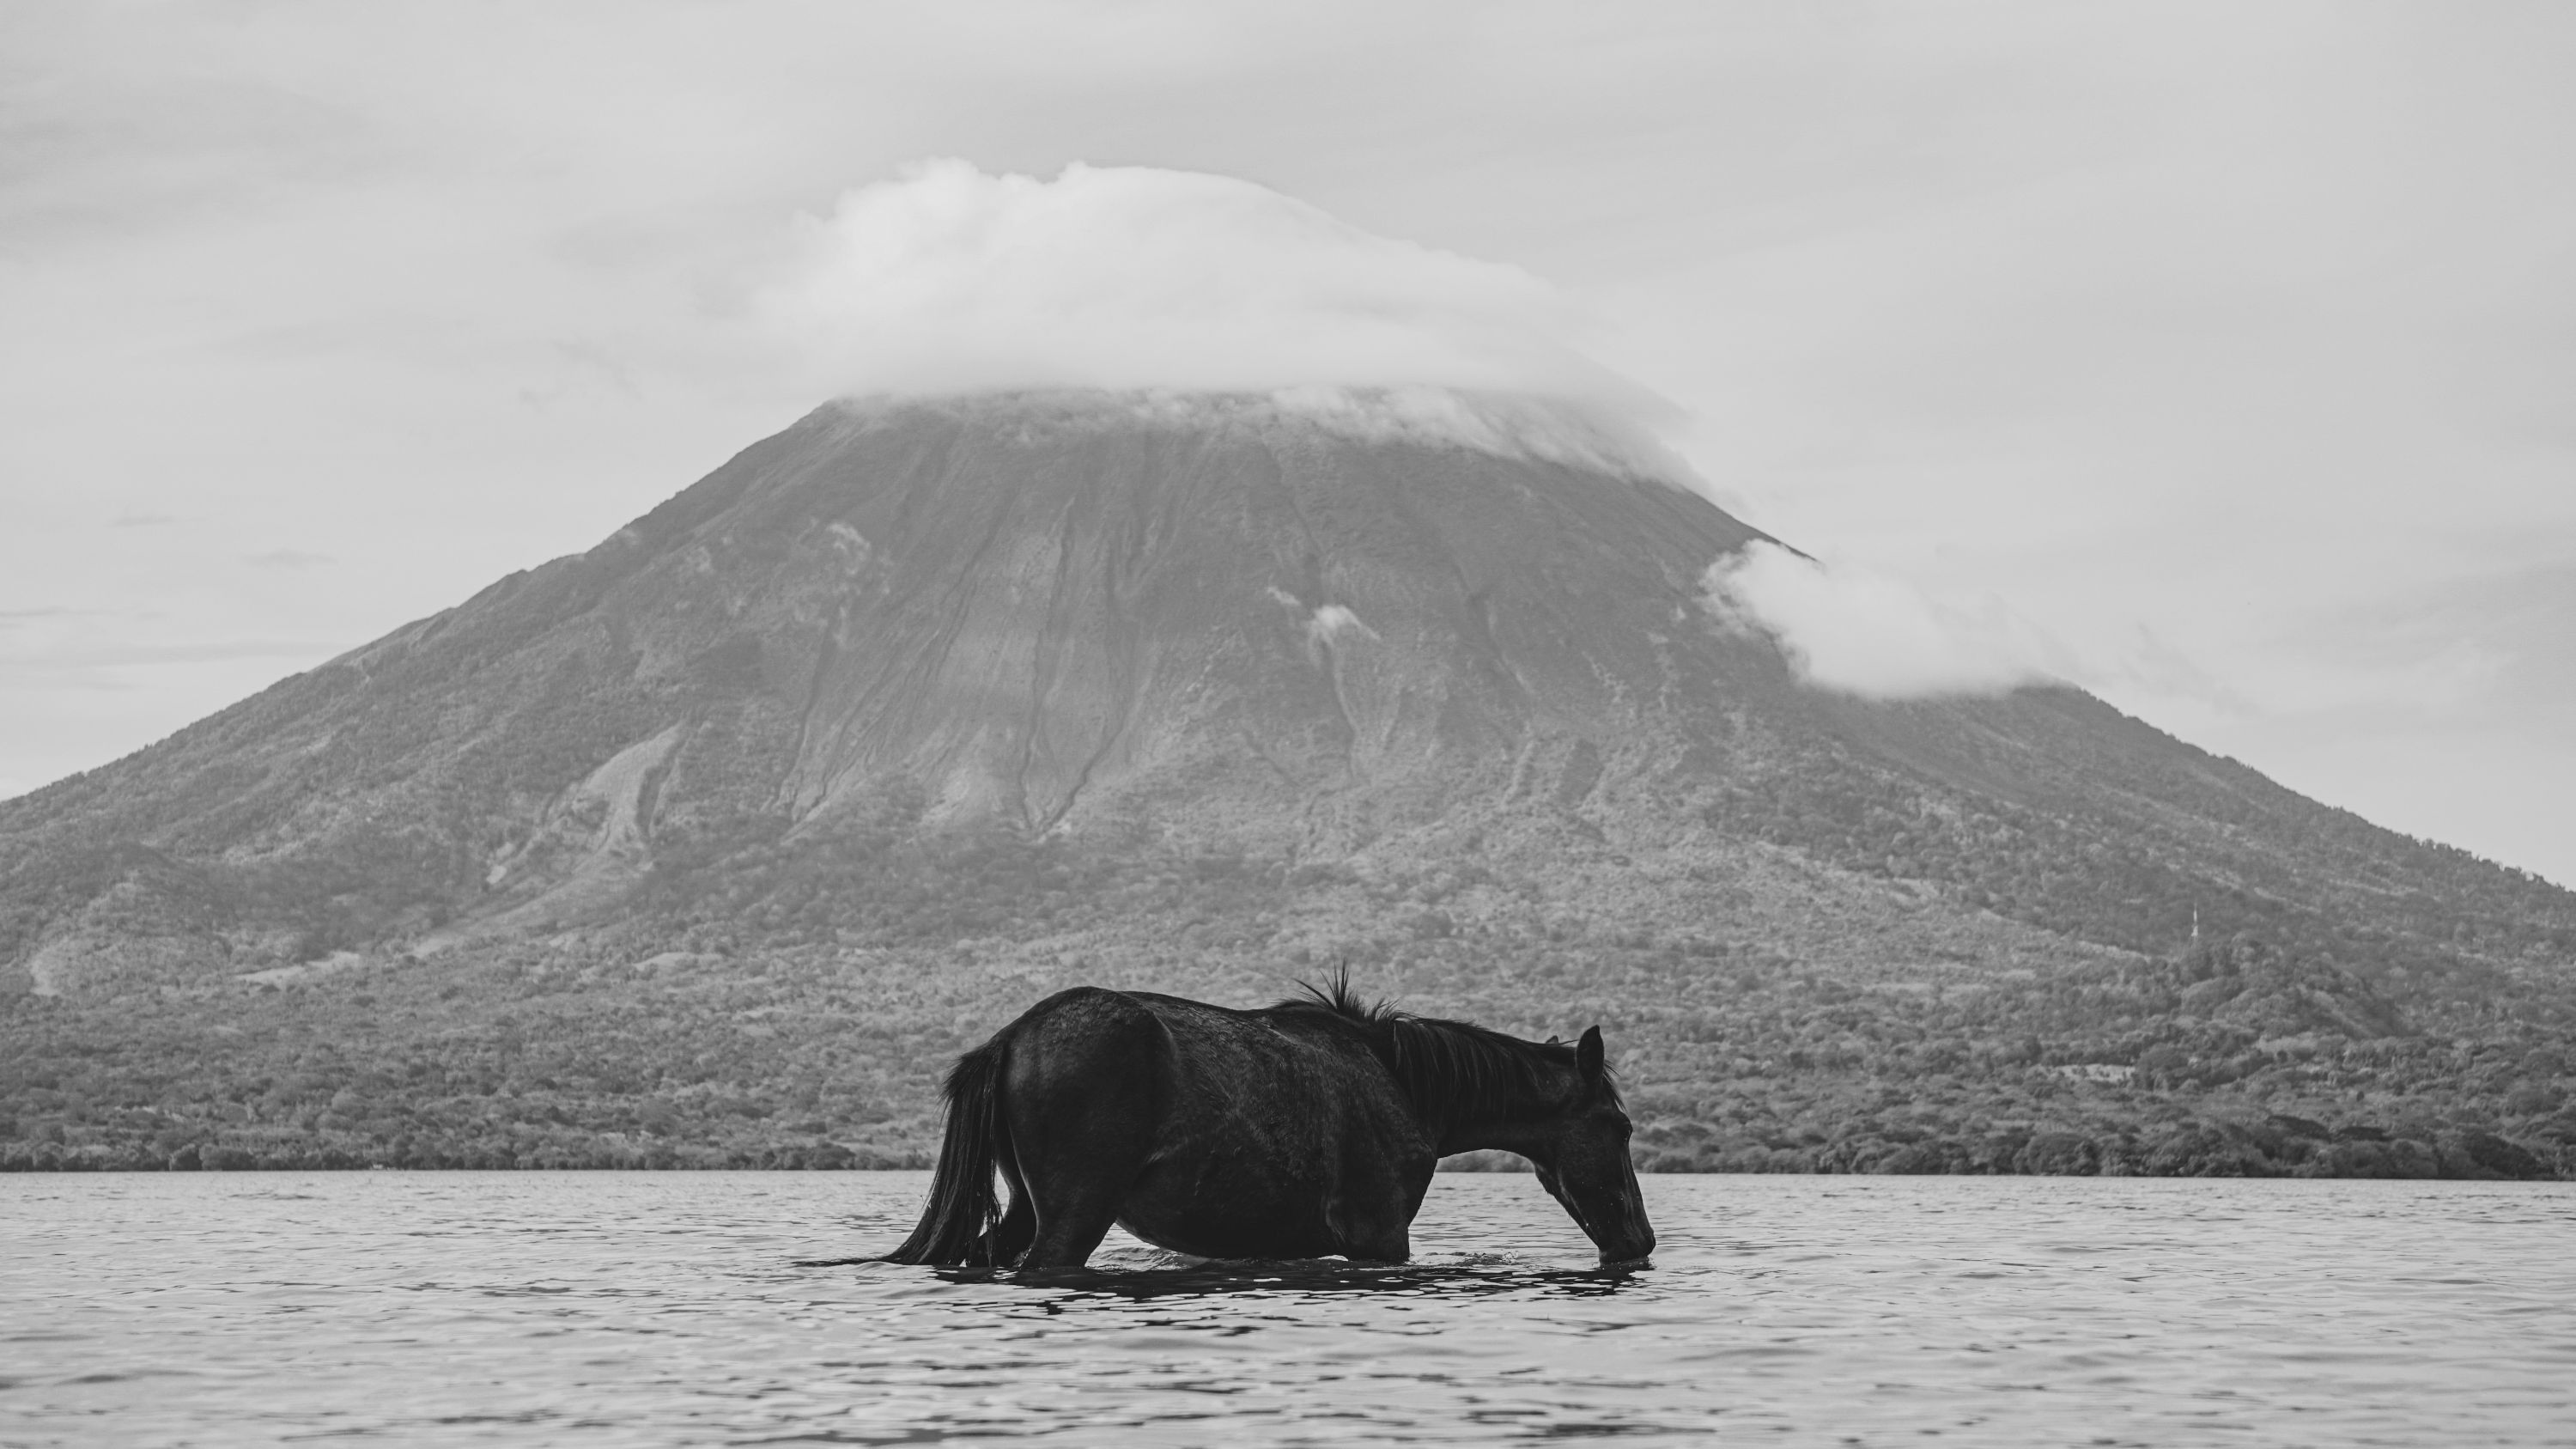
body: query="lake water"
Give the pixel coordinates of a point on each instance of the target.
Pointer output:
(668, 1308)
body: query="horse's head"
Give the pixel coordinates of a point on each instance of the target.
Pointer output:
(1585, 1164)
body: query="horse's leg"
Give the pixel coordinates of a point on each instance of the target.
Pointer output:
(1080, 1104)
(1371, 1222)
(1372, 1211)
(1369, 1237)
(1019, 1225)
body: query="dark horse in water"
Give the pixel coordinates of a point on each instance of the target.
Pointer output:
(1302, 1130)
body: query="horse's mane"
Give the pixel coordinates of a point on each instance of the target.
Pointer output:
(1441, 1063)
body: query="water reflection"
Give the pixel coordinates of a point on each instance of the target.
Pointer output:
(1304, 1278)
(649, 1309)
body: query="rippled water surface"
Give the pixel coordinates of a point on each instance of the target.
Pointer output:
(669, 1308)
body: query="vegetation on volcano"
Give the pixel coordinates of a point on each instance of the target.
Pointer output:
(793, 1008)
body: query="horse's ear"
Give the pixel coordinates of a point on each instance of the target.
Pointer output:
(1554, 1040)
(1587, 1054)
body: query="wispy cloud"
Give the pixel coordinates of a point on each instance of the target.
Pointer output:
(1874, 635)
(578, 365)
(108, 666)
(2157, 670)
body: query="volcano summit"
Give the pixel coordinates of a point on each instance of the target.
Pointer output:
(717, 838)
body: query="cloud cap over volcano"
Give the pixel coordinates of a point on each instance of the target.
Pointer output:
(948, 280)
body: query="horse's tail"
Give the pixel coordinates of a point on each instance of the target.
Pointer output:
(957, 1223)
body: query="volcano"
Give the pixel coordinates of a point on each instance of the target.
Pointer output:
(1285, 627)
(933, 705)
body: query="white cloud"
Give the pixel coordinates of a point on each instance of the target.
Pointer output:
(1332, 621)
(1876, 635)
(950, 280)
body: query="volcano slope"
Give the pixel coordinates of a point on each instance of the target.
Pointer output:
(715, 843)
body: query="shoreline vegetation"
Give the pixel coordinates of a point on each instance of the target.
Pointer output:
(2469, 1156)
(2231, 1060)
(2283, 1146)
(1786, 1007)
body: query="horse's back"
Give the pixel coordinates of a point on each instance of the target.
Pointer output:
(1247, 1133)
(1196, 1053)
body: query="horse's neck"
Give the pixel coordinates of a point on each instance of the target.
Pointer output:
(1522, 1137)
(1522, 1127)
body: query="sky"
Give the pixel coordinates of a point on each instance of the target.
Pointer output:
(2218, 358)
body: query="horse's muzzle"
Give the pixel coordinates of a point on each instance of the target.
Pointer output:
(1633, 1253)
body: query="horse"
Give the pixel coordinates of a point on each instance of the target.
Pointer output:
(1305, 1129)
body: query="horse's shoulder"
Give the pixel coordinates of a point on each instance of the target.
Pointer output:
(1311, 1021)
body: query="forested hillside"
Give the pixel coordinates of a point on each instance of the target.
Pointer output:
(802, 1024)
